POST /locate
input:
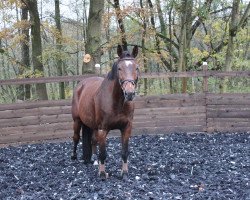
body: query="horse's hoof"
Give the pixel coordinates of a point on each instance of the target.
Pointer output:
(125, 175)
(103, 175)
(73, 157)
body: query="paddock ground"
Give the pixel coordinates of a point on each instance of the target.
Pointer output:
(163, 166)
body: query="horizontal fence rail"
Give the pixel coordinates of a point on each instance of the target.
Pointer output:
(189, 74)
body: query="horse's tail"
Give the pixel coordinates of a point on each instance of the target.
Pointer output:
(74, 106)
(86, 143)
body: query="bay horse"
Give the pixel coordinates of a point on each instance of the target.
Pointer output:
(103, 104)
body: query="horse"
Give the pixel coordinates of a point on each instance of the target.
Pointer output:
(103, 104)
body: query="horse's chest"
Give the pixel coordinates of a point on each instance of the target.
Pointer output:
(113, 114)
(115, 120)
(118, 121)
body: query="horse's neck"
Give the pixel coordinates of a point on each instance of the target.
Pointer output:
(116, 95)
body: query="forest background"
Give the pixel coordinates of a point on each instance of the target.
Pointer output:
(45, 38)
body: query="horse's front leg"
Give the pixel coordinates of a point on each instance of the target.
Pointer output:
(126, 133)
(101, 139)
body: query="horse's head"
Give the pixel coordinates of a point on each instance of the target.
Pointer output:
(127, 69)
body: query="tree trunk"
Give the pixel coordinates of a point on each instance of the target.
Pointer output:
(25, 52)
(182, 45)
(171, 62)
(77, 44)
(164, 33)
(161, 19)
(59, 63)
(185, 38)
(85, 21)
(233, 26)
(36, 46)
(93, 42)
(157, 40)
(145, 80)
(108, 35)
(121, 24)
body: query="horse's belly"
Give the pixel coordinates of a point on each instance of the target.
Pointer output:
(88, 119)
(119, 121)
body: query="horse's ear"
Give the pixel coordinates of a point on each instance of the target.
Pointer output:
(119, 50)
(135, 51)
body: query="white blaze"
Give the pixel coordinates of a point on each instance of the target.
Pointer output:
(128, 62)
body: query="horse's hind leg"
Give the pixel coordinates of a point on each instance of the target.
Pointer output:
(76, 137)
(86, 144)
(94, 147)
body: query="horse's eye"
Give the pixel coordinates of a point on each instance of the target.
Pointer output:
(119, 69)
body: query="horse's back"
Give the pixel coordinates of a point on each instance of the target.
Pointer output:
(83, 99)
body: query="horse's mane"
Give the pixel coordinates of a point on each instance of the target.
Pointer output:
(113, 72)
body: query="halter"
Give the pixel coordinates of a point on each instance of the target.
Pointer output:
(126, 81)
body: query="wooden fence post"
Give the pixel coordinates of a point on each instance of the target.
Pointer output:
(205, 90)
(205, 78)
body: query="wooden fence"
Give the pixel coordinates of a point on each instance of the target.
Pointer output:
(26, 122)
(46, 120)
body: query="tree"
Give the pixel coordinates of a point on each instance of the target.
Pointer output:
(173, 36)
(121, 24)
(36, 46)
(234, 27)
(185, 38)
(24, 92)
(59, 63)
(143, 44)
(93, 43)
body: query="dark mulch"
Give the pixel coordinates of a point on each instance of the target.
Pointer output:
(173, 166)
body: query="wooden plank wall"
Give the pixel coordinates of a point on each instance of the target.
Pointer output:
(35, 121)
(49, 120)
(170, 113)
(228, 112)
(46, 120)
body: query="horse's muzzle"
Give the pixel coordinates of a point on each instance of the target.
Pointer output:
(129, 96)
(128, 87)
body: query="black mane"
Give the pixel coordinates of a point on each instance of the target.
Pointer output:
(113, 73)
